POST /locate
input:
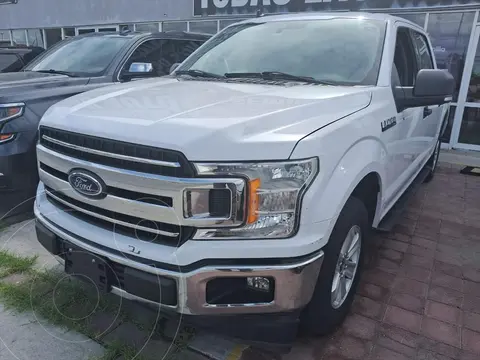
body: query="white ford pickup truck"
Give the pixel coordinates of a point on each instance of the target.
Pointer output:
(239, 191)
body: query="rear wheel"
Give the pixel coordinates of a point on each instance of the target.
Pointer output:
(433, 161)
(340, 273)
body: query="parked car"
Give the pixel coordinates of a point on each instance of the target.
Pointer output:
(71, 67)
(14, 58)
(239, 192)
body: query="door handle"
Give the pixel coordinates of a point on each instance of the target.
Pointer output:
(427, 111)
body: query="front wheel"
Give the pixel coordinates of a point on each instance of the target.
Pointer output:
(433, 161)
(340, 273)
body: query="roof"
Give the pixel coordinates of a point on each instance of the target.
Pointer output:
(138, 34)
(20, 49)
(328, 15)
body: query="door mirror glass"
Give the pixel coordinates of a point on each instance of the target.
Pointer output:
(432, 87)
(140, 67)
(174, 67)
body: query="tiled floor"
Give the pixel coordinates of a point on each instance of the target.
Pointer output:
(419, 298)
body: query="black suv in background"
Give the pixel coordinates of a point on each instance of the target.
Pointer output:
(14, 58)
(71, 67)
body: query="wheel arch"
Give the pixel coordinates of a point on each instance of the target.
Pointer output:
(361, 168)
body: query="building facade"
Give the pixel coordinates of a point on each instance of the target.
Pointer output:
(453, 26)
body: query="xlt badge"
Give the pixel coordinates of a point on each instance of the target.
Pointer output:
(389, 123)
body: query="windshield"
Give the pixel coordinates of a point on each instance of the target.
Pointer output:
(343, 51)
(88, 56)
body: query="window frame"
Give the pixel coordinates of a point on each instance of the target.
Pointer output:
(413, 32)
(134, 46)
(411, 48)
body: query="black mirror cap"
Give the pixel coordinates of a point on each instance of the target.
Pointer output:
(127, 76)
(434, 83)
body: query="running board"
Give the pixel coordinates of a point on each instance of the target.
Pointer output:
(392, 217)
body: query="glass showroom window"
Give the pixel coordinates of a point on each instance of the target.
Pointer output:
(52, 36)
(416, 18)
(35, 37)
(68, 32)
(450, 34)
(175, 26)
(149, 27)
(5, 38)
(19, 37)
(206, 27)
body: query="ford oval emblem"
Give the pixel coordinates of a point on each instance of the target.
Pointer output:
(86, 183)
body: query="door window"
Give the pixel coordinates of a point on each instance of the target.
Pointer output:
(404, 69)
(162, 54)
(422, 51)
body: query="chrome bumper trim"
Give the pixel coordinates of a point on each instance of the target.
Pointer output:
(296, 282)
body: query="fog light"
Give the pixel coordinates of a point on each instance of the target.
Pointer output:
(259, 283)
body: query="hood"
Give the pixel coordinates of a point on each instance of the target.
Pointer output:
(208, 120)
(17, 85)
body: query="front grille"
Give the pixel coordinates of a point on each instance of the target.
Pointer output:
(116, 154)
(131, 226)
(121, 193)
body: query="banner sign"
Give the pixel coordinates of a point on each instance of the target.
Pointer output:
(249, 7)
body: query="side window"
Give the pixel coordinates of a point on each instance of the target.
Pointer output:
(422, 51)
(149, 52)
(162, 53)
(175, 51)
(404, 64)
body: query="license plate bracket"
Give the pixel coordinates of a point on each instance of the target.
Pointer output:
(88, 267)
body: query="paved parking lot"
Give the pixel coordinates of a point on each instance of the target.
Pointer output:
(420, 295)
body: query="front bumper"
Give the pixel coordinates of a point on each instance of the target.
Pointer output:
(189, 293)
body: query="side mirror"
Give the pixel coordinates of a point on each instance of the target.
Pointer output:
(432, 87)
(138, 70)
(174, 67)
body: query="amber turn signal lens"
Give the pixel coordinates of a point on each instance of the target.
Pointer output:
(5, 137)
(12, 111)
(253, 199)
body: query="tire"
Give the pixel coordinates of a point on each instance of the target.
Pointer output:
(433, 161)
(324, 314)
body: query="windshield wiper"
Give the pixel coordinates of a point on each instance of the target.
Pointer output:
(277, 75)
(60, 72)
(198, 73)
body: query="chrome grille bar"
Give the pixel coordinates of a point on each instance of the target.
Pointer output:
(114, 221)
(111, 155)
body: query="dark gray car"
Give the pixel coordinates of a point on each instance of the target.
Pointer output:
(71, 67)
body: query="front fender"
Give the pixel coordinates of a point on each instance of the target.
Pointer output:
(340, 172)
(329, 196)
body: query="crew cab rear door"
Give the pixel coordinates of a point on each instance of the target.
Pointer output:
(411, 132)
(398, 134)
(425, 134)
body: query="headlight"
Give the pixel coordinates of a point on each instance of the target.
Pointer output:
(274, 194)
(11, 111)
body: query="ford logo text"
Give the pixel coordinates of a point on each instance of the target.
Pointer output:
(86, 183)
